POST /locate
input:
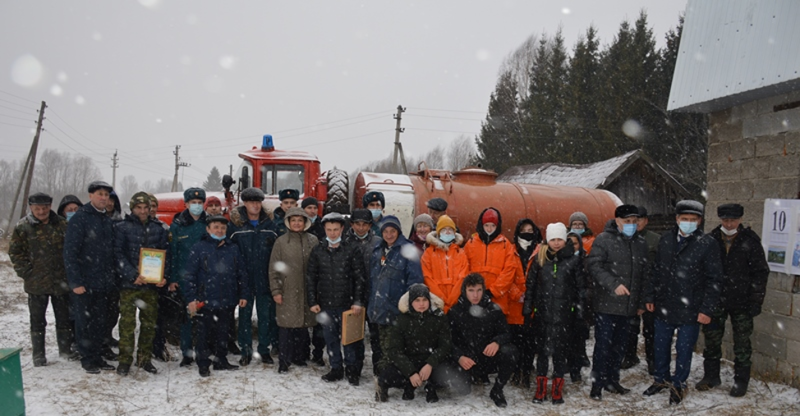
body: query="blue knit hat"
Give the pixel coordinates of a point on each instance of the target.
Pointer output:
(391, 221)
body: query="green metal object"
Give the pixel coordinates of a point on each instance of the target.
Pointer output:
(12, 396)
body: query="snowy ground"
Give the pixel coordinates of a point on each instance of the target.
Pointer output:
(63, 388)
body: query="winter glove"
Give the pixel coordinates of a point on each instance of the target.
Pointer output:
(755, 310)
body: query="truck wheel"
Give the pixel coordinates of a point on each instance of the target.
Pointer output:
(338, 190)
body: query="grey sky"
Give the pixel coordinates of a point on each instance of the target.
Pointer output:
(213, 76)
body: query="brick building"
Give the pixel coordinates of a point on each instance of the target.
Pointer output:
(738, 63)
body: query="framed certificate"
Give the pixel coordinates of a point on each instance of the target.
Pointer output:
(151, 264)
(352, 326)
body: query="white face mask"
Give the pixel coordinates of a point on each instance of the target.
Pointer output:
(727, 231)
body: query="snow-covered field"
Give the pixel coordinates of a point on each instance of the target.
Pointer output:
(63, 388)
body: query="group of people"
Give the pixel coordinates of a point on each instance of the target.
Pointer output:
(443, 310)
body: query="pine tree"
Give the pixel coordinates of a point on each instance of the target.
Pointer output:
(213, 181)
(498, 142)
(583, 137)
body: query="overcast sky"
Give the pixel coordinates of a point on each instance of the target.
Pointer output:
(142, 76)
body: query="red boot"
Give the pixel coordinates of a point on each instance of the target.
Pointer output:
(541, 389)
(558, 388)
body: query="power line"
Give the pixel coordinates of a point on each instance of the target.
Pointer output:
(339, 140)
(11, 102)
(17, 96)
(450, 118)
(18, 118)
(16, 125)
(76, 130)
(450, 111)
(14, 109)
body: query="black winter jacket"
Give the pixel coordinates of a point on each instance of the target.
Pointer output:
(89, 250)
(553, 295)
(686, 279)
(335, 277)
(215, 274)
(130, 235)
(745, 269)
(475, 327)
(255, 243)
(618, 260)
(417, 338)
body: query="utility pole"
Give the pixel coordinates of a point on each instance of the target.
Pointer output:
(178, 165)
(398, 147)
(114, 166)
(29, 163)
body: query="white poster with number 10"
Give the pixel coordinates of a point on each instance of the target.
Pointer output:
(781, 235)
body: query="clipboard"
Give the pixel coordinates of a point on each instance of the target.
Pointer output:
(352, 326)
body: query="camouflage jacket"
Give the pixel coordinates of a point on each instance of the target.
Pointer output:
(37, 252)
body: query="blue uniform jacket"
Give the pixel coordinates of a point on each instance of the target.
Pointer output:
(391, 275)
(215, 274)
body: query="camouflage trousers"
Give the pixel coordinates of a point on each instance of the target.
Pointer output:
(146, 302)
(742, 323)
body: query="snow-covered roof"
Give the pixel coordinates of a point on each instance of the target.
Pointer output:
(594, 175)
(733, 52)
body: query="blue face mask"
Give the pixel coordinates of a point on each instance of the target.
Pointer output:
(578, 231)
(312, 218)
(687, 227)
(214, 236)
(70, 215)
(447, 238)
(376, 213)
(629, 229)
(196, 209)
(336, 241)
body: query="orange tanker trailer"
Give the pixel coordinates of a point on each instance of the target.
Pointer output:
(470, 190)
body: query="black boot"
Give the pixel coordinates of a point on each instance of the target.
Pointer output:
(37, 343)
(525, 381)
(245, 359)
(408, 392)
(497, 395)
(430, 394)
(676, 395)
(186, 361)
(353, 375)
(741, 379)
(335, 374)
(382, 393)
(64, 337)
(710, 375)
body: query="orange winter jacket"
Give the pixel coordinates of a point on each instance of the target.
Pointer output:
(497, 263)
(517, 291)
(444, 268)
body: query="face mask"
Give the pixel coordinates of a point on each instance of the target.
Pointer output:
(361, 237)
(577, 253)
(687, 227)
(578, 231)
(332, 242)
(526, 236)
(214, 236)
(376, 213)
(447, 238)
(313, 219)
(728, 232)
(69, 215)
(196, 209)
(629, 229)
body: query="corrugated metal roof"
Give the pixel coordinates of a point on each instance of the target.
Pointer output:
(585, 176)
(736, 51)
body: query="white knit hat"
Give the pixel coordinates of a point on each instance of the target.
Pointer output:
(557, 230)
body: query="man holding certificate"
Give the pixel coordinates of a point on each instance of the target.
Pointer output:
(140, 246)
(335, 283)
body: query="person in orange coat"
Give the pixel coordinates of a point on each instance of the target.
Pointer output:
(444, 263)
(527, 237)
(493, 256)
